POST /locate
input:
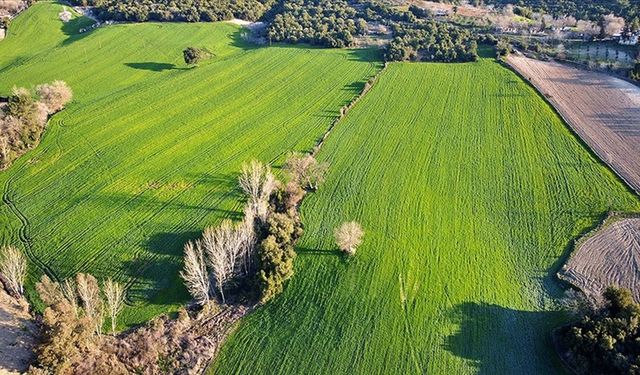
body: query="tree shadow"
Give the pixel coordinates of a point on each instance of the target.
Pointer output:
(499, 340)
(153, 66)
(72, 29)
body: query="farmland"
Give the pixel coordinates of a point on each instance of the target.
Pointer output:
(470, 195)
(468, 185)
(603, 110)
(607, 257)
(148, 152)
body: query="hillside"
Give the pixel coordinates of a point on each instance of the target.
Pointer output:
(470, 190)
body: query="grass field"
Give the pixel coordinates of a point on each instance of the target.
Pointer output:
(148, 152)
(470, 189)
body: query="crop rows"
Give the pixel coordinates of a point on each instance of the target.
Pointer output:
(470, 189)
(148, 152)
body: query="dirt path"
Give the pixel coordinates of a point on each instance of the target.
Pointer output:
(603, 110)
(18, 333)
(611, 256)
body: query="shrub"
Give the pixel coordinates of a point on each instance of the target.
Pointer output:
(348, 237)
(193, 55)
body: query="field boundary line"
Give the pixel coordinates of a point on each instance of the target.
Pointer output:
(575, 130)
(344, 110)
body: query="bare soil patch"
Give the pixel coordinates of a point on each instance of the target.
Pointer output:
(18, 334)
(610, 256)
(603, 110)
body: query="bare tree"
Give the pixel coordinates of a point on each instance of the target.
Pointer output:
(13, 265)
(215, 242)
(92, 304)
(349, 236)
(257, 181)
(70, 292)
(195, 272)
(54, 95)
(114, 295)
(305, 170)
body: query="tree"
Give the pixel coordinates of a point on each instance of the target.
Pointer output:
(605, 340)
(54, 95)
(114, 296)
(92, 304)
(194, 55)
(348, 237)
(276, 255)
(195, 273)
(66, 337)
(13, 266)
(305, 170)
(257, 182)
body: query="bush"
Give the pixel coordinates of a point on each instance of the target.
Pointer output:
(193, 55)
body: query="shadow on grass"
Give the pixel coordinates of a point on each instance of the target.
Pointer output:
(72, 29)
(499, 340)
(152, 66)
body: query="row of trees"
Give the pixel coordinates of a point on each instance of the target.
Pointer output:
(24, 117)
(432, 41)
(256, 255)
(183, 11)
(605, 338)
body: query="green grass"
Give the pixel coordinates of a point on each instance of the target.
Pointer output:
(148, 152)
(470, 190)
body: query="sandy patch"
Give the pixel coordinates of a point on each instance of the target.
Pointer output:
(18, 333)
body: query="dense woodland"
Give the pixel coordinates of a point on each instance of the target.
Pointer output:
(326, 23)
(431, 41)
(184, 11)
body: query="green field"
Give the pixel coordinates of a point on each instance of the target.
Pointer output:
(468, 185)
(148, 152)
(470, 189)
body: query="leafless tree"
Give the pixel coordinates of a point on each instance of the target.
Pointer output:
(70, 292)
(305, 170)
(92, 304)
(13, 265)
(349, 236)
(65, 16)
(114, 296)
(612, 25)
(195, 272)
(215, 242)
(257, 181)
(54, 95)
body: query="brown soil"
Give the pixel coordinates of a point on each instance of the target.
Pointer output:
(611, 256)
(603, 110)
(18, 334)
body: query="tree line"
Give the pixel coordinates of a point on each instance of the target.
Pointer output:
(181, 11)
